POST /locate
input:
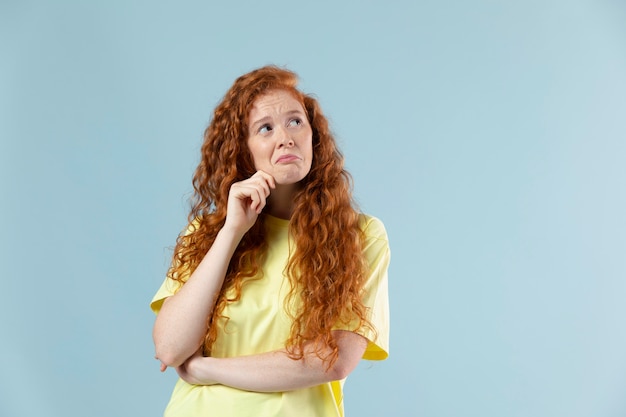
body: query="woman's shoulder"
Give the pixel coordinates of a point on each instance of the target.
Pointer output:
(372, 226)
(193, 225)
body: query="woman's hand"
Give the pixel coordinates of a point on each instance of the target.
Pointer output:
(191, 372)
(246, 200)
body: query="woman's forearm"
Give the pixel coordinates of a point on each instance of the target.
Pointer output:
(181, 324)
(276, 371)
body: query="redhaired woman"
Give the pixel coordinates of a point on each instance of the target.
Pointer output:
(278, 287)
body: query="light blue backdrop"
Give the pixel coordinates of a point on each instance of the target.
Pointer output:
(490, 137)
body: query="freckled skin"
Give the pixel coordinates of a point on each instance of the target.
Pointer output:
(280, 138)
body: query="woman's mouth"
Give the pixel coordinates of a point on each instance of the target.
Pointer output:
(285, 159)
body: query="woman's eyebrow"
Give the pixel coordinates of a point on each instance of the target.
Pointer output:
(266, 119)
(262, 120)
(295, 112)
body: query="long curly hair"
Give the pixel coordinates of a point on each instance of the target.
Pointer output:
(327, 269)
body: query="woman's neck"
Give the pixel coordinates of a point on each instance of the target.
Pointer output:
(280, 202)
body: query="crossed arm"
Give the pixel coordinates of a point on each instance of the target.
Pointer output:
(275, 371)
(180, 324)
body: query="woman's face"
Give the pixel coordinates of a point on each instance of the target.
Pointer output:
(280, 137)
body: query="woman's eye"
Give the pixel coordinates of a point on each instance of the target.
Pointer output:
(265, 129)
(295, 122)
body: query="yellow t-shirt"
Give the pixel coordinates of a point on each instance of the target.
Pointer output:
(259, 323)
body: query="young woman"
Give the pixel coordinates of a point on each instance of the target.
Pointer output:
(278, 287)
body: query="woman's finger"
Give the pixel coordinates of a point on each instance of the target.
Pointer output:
(262, 180)
(268, 179)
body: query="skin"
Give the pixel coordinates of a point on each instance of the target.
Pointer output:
(280, 142)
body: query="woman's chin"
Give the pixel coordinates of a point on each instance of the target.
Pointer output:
(287, 180)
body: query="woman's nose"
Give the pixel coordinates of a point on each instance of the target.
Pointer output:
(284, 138)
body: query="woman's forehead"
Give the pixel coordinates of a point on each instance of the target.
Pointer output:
(276, 102)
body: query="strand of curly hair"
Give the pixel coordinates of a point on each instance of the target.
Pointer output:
(327, 269)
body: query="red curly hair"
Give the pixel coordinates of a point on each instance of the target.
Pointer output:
(327, 270)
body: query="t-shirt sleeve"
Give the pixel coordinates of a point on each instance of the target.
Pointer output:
(169, 287)
(375, 291)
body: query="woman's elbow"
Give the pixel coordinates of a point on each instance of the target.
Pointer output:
(341, 369)
(169, 354)
(168, 357)
(351, 349)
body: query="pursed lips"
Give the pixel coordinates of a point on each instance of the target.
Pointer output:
(287, 158)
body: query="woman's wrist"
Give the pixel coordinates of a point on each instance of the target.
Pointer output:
(200, 369)
(231, 233)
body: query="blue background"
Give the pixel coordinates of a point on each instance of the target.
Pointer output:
(490, 137)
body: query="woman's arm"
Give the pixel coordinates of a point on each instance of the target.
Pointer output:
(276, 371)
(181, 324)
